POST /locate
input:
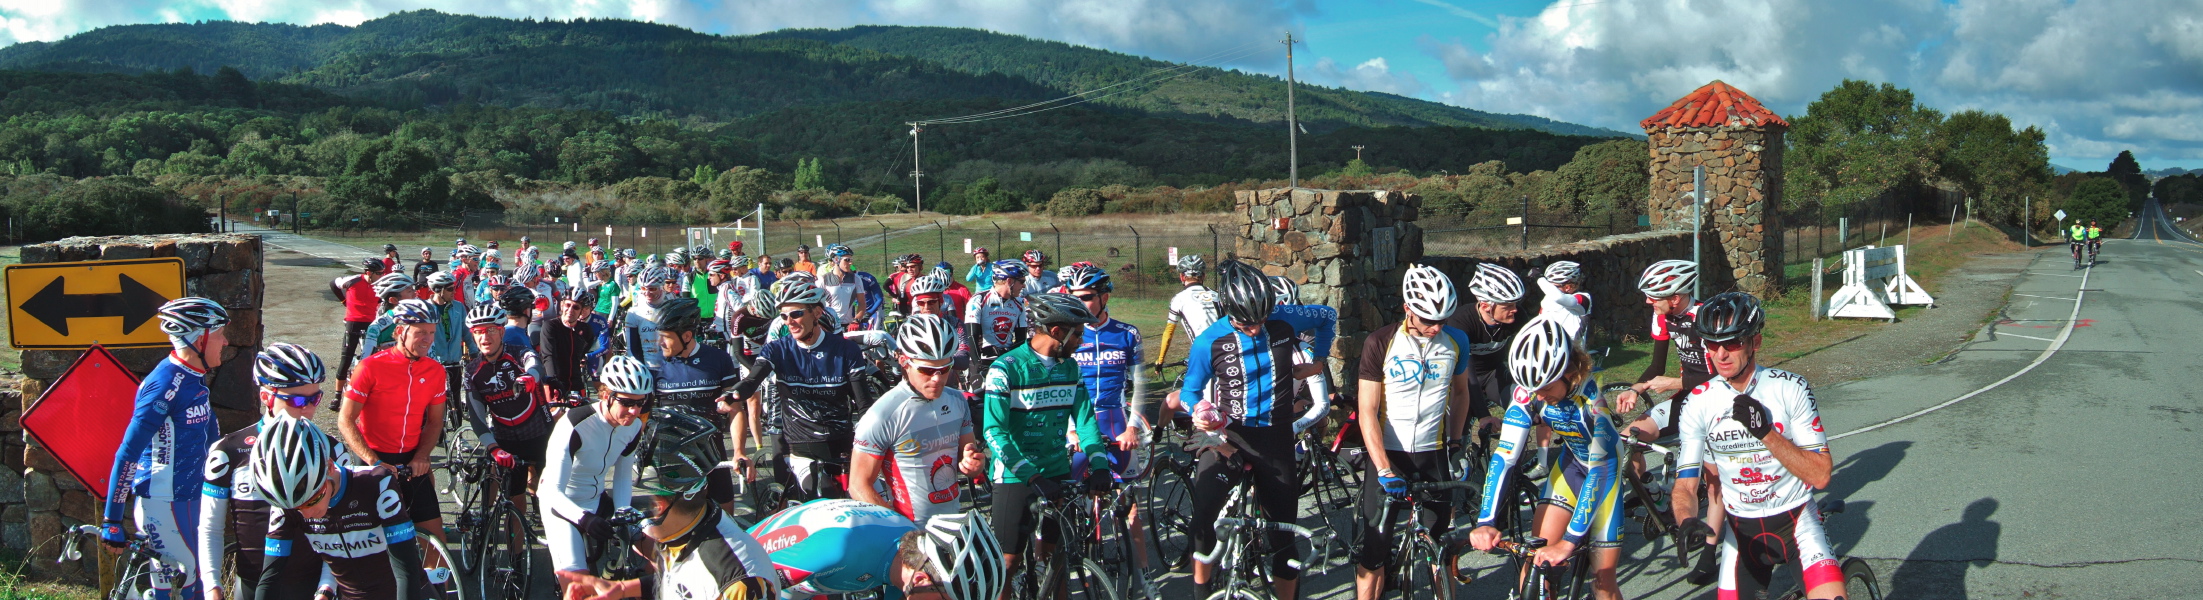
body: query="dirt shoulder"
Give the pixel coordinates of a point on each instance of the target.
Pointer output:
(1970, 273)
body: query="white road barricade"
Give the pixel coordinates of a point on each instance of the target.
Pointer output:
(1873, 279)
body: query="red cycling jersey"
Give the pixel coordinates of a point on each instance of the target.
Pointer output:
(360, 303)
(395, 393)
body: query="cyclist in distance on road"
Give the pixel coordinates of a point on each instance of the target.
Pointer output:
(233, 518)
(164, 450)
(1414, 395)
(1582, 496)
(1758, 432)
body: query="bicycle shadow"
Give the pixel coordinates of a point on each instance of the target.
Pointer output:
(1938, 566)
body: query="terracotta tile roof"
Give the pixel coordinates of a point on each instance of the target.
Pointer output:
(1716, 104)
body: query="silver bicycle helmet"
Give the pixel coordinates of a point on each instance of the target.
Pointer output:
(1284, 291)
(1566, 271)
(1085, 276)
(762, 303)
(926, 337)
(486, 313)
(1540, 354)
(1668, 278)
(623, 374)
(964, 556)
(798, 291)
(1243, 293)
(930, 284)
(1190, 265)
(291, 461)
(1044, 309)
(187, 318)
(1428, 293)
(287, 365)
(684, 448)
(1495, 284)
(392, 285)
(439, 281)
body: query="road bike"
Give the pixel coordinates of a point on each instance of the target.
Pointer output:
(1071, 566)
(1420, 567)
(1543, 582)
(1859, 582)
(1168, 492)
(1242, 552)
(496, 536)
(133, 575)
(1331, 465)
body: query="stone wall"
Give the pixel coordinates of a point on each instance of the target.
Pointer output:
(1744, 180)
(1346, 250)
(223, 267)
(1611, 266)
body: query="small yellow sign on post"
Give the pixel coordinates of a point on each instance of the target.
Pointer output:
(71, 305)
(1514, 220)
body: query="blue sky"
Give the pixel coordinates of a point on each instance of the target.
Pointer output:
(2099, 76)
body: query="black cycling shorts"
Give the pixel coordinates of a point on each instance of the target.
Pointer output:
(420, 491)
(1373, 543)
(1012, 518)
(529, 453)
(1265, 454)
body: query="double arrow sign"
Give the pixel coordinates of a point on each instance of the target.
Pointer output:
(76, 304)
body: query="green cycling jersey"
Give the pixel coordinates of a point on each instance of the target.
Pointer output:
(1029, 404)
(2095, 232)
(2079, 233)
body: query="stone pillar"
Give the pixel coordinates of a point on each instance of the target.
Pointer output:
(1345, 249)
(1740, 143)
(223, 267)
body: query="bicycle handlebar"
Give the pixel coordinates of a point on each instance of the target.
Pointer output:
(1318, 546)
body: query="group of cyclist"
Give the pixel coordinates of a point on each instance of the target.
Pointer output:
(596, 375)
(2085, 238)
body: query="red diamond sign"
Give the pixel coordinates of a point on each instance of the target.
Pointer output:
(82, 416)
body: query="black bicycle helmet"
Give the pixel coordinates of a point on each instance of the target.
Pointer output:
(680, 315)
(1244, 292)
(517, 300)
(684, 448)
(287, 365)
(1730, 316)
(1044, 309)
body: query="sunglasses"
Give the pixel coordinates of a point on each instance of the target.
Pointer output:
(1087, 297)
(932, 371)
(318, 495)
(794, 314)
(643, 402)
(1728, 346)
(298, 400)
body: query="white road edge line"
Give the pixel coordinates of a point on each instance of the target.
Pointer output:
(2059, 275)
(2024, 336)
(2199, 272)
(2057, 298)
(2063, 335)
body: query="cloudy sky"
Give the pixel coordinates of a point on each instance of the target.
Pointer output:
(2098, 75)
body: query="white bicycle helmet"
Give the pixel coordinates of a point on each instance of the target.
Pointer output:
(1284, 291)
(287, 365)
(625, 375)
(798, 291)
(486, 313)
(1428, 292)
(1495, 284)
(964, 555)
(185, 319)
(926, 337)
(1190, 265)
(676, 256)
(930, 284)
(291, 461)
(439, 281)
(1566, 271)
(1540, 353)
(392, 285)
(1668, 278)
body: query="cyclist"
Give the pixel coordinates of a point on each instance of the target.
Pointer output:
(604, 279)
(701, 551)
(426, 265)
(1109, 360)
(466, 268)
(1288, 305)
(835, 547)
(2095, 238)
(591, 464)
(565, 342)
(1038, 278)
(956, 298)
(844, 294)
(995, 319)
(898, 283)
(919, 435)
(362, 302)
(981, 273)
(817, 378)
(390, 260)
(163, 451)
(1033, 394)
(1758, 431)
(1581, 500)
(346, 519)
(1491, 326)
(1414, 395)
(803, 260)
(391, 289)
(640, 331)
(697, 376)
(397, 411)
(1193, 309)
(2076, 238)
(1562, 284)
(1242, 366)
(505, 401)
(708, 273)
(453, 346)
(516, 303)
(233, 518)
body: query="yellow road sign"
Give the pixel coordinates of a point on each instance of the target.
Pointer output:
(53, 306)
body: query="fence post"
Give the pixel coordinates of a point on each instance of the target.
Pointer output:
(1908, 230)
(998, 247)
(1059, 240)
(1135, 248)
(883, 248)
(941, 234)
(837, 230)
(1843, 232)
(1526, 222)
(1216, 243)
(1817, 288)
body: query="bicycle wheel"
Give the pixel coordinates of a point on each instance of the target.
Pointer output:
(472, 526)
(133, 579)
(1170, 511)
(441, 584)
(508, 565)
(1858, 580)
(1423, 573)
(1089, 581)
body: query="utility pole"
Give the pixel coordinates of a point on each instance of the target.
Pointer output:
(917, 169)
(1292, 122)
(1358, 152)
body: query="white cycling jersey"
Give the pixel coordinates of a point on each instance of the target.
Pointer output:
(1572, 311)
(999, 319)
(1194, 309)
(589, 458)
(1417, 374)
(918, 442)
(1753, 483)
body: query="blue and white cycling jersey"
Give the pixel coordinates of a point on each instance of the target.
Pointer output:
(831, 547)
(1109, 361)
(164, 452)
(1242, 370)
(1583, 426)
(1319, 339)
(873, 299)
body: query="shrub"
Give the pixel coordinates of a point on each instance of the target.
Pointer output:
(1076, 202)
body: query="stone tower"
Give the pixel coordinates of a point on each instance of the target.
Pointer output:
(1740, 144)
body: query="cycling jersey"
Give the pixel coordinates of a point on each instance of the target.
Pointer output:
(1039, 281)
(2079, 233)
(1195, 309)
(562, 352)
(954, 301)
(703, 291)
(1753, 483)
(1586, 429)
(833, 547)
(2095, 232)
(841, 298)
(512, 414)
(1244, 372)
(1001, 321)
(360, 301)
(1417, 374)
(980, 276)
(395, 394)
(713, 557)
(1109, 361)
(1030, 402)
(918, 442)
(366, 539)
(873, 300)
(589, 458)
(815, 385)
(165, 447)
(642, 332)
(698, 380)
(1487, 343)
(1690, 350)
(1322, 335)
(1572, 311)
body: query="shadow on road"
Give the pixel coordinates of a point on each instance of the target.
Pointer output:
(1864, 467)
(1937, 567)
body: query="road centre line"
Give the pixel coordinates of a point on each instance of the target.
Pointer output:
(2059, 275)
(2063, 335)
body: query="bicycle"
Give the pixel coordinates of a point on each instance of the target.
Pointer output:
(133, 576)
(497, 538)
(1421, 560)
(1242, 551)
(1070, 567)
(2076, 246)
(617, 559)
(1332, 474)
(440, 581)
(1539, 582)
(1859, 582)
(1169, 490)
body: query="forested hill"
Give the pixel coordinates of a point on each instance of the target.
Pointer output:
(427, 58)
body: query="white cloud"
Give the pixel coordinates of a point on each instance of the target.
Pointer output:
(1373, 75)
(2097, 75)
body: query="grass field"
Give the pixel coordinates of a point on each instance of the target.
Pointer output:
(10, 358)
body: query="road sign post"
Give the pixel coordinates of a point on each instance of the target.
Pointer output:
(70, 305)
